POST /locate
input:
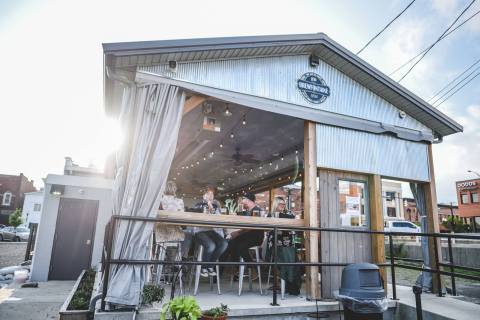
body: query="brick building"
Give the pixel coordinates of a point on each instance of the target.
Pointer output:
(468, 192)
(12, 194)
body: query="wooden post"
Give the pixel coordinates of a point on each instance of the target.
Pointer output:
(429, 189)
(311, 215)
(376, 224)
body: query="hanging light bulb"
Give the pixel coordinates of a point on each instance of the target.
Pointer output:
(183, 167)
(270, 163)
(261, 168)
(198, 162)
(244, 121)
(174, 178)
(178, 173)
(227, 112)
(204, 157)
(191, 166)
(232, 135)
(296, 151)
(282, 158)
(211, 154)
(221, 145)
(251, 170)
(236, 171)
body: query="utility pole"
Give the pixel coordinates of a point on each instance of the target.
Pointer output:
(453, 217)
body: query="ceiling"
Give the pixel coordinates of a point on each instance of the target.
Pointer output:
(263, 141)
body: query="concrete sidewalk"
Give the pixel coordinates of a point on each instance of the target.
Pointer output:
(39, 303)
(443, 308)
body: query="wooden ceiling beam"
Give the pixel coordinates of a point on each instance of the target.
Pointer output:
(193, 102)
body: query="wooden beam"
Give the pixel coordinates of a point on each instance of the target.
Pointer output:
(243, 220)
(192, 103)
(310, 208)
(430, 192)
(376, 224)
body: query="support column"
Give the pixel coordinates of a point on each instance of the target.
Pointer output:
(429, 189)
(376, 224)
(311, 215)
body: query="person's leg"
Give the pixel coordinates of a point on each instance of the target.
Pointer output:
(187, 243)
(208, 244)
(220, 245)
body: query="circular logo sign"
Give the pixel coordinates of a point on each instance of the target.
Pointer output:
(313, 88)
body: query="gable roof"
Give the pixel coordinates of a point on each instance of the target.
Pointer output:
(129, 55)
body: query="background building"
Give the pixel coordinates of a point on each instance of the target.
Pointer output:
(468, 192)
(392, 200)
(12, 194)
(32, 207)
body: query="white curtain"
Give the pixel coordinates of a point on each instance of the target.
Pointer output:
(151, 116)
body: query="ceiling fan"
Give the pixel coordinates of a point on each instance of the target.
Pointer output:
(239, 159)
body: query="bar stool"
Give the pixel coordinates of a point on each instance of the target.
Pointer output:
(242, 274)
(199, 253)
(282, 282)
(160, 254)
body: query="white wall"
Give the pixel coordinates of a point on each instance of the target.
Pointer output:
(77, 188)
(29, 214)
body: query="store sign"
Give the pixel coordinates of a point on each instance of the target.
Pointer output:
(313, 88)
(467, 184)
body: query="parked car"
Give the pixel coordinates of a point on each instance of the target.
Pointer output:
(2, 226)
(401, 226)
(14, 234)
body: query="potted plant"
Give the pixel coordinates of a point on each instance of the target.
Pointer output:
(181, 308)
(217, 313)
(153, 294)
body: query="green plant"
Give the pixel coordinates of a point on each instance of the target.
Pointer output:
(181, 308)
(217, 312)
(456, 224)
(15, 219)
(231, 205)
(152, 293)
(81, 297)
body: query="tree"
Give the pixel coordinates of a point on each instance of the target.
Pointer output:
(15, 219)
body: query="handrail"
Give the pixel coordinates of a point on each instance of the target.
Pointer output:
(110, 229)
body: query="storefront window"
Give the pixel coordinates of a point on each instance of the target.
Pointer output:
(474, 197)
(353, 212)
(464, 198)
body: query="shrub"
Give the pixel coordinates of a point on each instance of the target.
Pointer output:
(81, 297)
(15, 219)
(152, 293)
(217, 312)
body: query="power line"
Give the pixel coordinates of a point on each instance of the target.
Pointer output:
(458, 83)
(384, 28)
(478, 74)
(446, 35)
(437, 41)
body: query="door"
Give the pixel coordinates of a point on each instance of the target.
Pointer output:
(73, 242)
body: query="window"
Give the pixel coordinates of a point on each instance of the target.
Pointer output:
(474, 196)
(37, 207)
(352, 203)
(464, 197)
(390, 196)
(391, 212)
(7, 198)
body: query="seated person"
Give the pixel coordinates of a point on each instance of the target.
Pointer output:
(170, 202)
(242, 240)
(212, 239)
(285, 249)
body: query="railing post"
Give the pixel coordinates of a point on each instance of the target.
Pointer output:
(439, 276)
(275, 267)
(392, 267)
(106, 269)
(450, 255)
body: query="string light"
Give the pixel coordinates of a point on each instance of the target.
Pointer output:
(198, 162)
(296, 151)
(282, 158)
(244, 121)
(178, 173)
(227, 111)
(232, 135)
(221, 145)
(204, 157)
(270, 163)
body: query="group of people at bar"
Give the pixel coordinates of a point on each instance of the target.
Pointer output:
(224, 244)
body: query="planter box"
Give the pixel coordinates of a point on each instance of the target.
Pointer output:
(74, 314)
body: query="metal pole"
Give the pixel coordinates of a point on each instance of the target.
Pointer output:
(392, 267)
(275, 267)
(437, 266)
(450, 255)
(417, 290)
(106, 269)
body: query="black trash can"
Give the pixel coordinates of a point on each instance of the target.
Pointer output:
(362, 292)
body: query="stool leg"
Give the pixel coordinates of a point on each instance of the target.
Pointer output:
(282, 289)
(218, 279)
(197, 273)
(250, 282)
(240, 278)
(180, 273)
(259, 271)
(161, 257)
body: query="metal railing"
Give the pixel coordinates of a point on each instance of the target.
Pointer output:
(108, 261)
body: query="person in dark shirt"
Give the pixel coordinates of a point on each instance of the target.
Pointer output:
(242, 240)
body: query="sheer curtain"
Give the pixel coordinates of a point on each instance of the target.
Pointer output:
(425, 278)
(151, 116)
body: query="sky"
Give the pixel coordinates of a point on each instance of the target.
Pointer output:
(51, 85)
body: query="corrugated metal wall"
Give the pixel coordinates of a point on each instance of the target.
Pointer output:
(276, 78)
(350, 150)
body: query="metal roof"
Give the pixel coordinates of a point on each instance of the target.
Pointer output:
(129, 55)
